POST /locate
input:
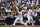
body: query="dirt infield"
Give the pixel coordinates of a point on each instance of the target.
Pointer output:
(27, 26)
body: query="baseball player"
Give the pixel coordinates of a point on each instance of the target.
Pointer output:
(29, 16)
(20, 17)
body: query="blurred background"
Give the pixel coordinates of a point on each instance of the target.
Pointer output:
(9, 10)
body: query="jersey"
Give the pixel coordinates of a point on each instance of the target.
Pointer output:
(20, 14)
(28, 14)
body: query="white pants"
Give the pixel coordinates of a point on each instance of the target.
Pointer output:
(21, 20)
(30, 19)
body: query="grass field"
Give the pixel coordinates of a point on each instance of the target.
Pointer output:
(19, 26)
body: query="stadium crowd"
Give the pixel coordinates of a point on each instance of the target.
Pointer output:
(10, 8)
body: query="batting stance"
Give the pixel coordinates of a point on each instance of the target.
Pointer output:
(20, 17)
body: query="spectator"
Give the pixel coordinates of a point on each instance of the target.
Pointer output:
(10, 15)
(3, 6)
(25, 6)
(3, 16)
(8, 9)
(37, 9)
(14, 6)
